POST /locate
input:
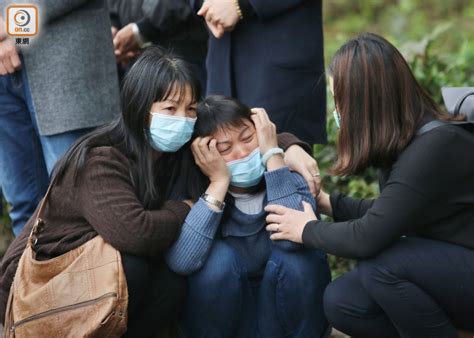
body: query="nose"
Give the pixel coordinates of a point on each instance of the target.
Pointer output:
(241, 152)
(180, 113)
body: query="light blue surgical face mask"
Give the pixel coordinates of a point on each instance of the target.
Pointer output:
(337, 118)
(247, 171)
(169, 133)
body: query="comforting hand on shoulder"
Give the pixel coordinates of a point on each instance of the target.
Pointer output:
(287, 223)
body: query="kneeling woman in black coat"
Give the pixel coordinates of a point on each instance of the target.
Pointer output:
(415, 242)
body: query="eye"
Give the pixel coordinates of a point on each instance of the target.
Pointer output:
(192, 111)
(223, 150)
(170, 108)
(248, 138)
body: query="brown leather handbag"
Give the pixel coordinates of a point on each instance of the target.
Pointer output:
(82, 293)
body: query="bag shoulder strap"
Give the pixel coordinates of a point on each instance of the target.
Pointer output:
(38, 226)
(437, 123)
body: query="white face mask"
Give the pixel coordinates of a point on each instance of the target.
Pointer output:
(169, 133)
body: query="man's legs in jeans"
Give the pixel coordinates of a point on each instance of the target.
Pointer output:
(55, 146)
(26, 159)
(290, 301)
(22, 170)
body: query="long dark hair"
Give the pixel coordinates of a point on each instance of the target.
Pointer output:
(380, 103)
(155, 75)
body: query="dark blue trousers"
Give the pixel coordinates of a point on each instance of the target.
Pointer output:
(416, 288)
(156, 296)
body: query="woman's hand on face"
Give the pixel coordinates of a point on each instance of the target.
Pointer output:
(209, 160)
(266, 130)
(287, 223)
(298, 160)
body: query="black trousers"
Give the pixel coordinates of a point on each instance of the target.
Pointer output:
(156, 296)
(416, 288)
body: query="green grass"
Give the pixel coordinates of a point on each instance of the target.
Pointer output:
(6, 235)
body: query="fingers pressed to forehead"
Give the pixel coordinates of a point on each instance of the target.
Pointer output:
(196, 142)
(204, 141)
(265, 116)
(213, 147)
(196, 150)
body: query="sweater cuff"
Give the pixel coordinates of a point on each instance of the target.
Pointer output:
(178, 208)
(279, 183)
(286, 140)
(207, 219)
(146, 28)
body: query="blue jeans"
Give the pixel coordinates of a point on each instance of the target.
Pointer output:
(26, 157)
(416, 288)
(223, 301)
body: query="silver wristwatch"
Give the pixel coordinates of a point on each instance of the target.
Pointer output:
(213, 201)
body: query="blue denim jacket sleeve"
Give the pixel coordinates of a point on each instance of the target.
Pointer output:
(191, 249)
(290, 190)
